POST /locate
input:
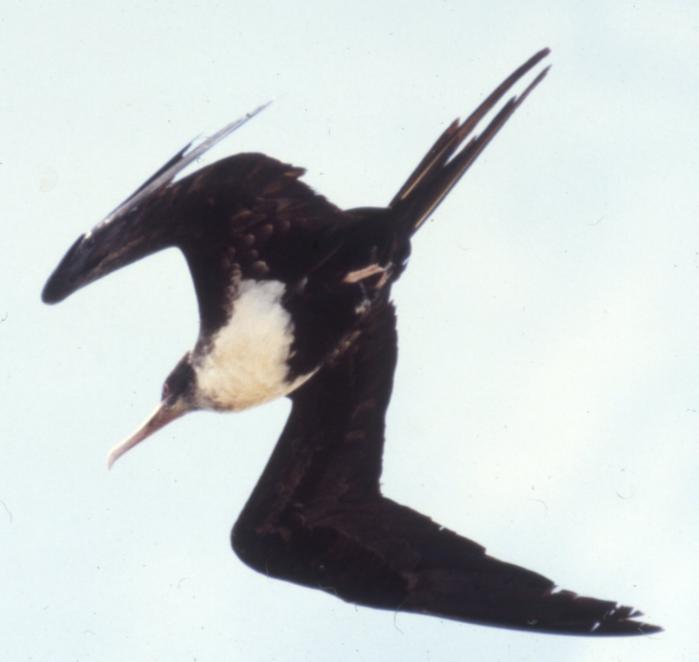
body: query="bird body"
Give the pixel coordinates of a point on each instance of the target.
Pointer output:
(247, 361)
(293, 276)
(294, 299)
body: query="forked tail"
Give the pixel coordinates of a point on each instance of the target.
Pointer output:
(449, 158)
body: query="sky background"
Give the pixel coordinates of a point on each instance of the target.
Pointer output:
(547, 393)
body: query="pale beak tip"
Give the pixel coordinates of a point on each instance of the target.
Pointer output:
(160, 417)
(112, 457)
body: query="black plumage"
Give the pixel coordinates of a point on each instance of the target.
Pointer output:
(317, 516)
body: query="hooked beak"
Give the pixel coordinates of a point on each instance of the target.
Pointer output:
(163, 415)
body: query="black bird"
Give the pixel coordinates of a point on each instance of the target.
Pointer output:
(293, 299)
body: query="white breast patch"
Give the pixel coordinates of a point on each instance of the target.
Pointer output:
(247, 361)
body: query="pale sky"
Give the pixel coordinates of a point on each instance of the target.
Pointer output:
(547, 395)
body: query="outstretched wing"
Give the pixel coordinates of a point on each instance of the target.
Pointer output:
(135, 228)
(245, 216)
(318, 518)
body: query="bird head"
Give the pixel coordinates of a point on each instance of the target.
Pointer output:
(179, 397)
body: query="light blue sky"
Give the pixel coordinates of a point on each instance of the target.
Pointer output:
(548, 382)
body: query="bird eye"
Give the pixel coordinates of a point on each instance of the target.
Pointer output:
(166, 392)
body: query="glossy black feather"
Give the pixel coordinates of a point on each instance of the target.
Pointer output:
(317, 516)
(446, 161)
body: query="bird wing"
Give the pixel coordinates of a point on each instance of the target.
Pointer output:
(132, 230)
(245, 216)
(317, 516)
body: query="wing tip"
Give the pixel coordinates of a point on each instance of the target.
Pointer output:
(50, 294)
(78, 267)
(622, 621)
(56, 289)
(591, 617)
(625, 628)
(58, 286)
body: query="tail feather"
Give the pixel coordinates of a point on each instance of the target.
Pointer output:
(445, 162)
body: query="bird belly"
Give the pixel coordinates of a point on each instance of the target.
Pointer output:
(247, 359)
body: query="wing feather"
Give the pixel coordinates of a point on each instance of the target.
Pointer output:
(317, 516)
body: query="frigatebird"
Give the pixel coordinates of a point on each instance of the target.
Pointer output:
(294, 299)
